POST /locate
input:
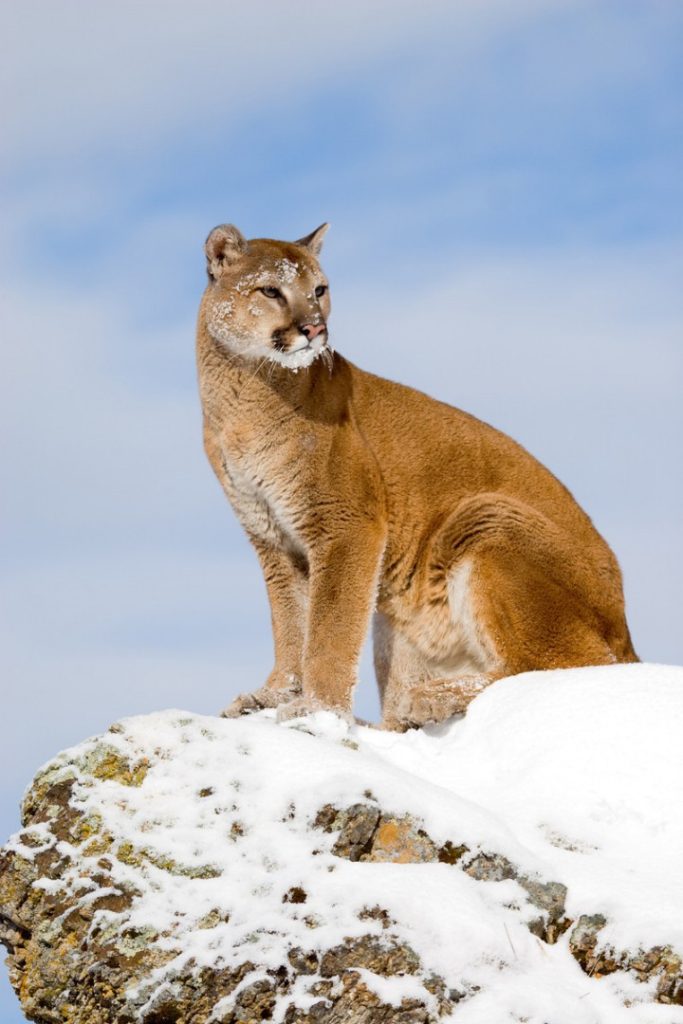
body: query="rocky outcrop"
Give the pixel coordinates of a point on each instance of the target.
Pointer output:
(148, 888)
(366, 834)
(78, 960)
(659, 965)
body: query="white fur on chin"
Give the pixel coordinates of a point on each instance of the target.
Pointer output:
(300, 358)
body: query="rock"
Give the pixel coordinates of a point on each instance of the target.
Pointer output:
(660, 963)
(366, 834)
(381, 957)
(548, 897)
(76, 956)
(161, 877)
(356, 826)
(357, 1003)
(490, 867)
(400, 840)
(583, 940)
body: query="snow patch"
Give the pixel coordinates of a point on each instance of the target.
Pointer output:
(574, 776)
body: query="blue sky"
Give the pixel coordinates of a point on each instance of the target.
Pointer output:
(505, 187)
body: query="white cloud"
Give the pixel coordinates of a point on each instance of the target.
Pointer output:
(126, 75)
(585, 324)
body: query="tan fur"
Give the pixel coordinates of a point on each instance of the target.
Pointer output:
(363, 496)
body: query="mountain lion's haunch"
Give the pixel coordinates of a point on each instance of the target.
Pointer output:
(366, 498)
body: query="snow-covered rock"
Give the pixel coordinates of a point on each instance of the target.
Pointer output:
(521, 864)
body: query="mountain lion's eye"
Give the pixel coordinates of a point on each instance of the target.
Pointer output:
(320, 290)
(272, 293)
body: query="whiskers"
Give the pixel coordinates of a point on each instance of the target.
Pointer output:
(250, 375)
(273, 359)
(327, 356)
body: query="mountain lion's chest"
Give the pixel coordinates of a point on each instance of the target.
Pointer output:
(262, 492)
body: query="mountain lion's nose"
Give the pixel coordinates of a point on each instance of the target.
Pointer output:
(312, 330)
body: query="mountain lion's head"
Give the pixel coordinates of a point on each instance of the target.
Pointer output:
(267, 299)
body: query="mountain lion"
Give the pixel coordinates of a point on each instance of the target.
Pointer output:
(364, 497)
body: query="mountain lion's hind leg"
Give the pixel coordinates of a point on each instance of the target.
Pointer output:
(435, 700)
(539, 618)
(414, 689)
(534, 591)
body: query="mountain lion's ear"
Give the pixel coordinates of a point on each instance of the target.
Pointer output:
(224, 245)
(314, 241)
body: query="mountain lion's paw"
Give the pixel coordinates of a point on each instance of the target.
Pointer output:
(426, 705)
(300, 707)
(265, 697)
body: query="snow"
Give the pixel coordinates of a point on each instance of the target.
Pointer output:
(394, 990)
(586, 767)
(286, 270)
(575, 776)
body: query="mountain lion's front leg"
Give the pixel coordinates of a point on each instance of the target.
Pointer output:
(342, 590)
(287, 587)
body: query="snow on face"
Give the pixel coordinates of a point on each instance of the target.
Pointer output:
(235, 332)
(286, 271)
(222, 325)
(283, 271)
(300, 358)
(224, 310)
